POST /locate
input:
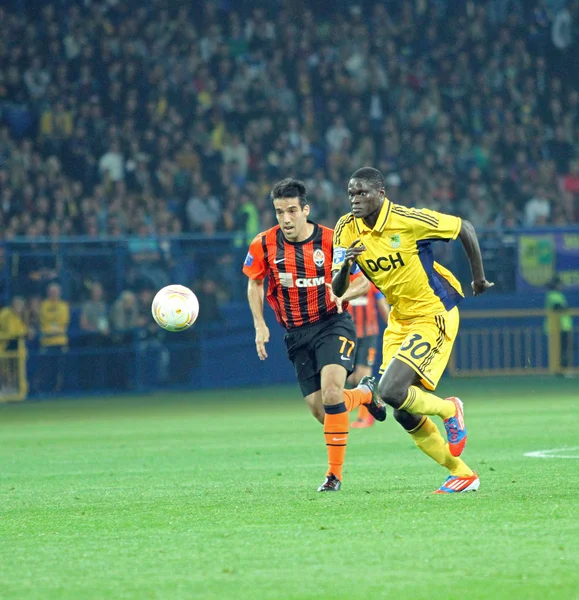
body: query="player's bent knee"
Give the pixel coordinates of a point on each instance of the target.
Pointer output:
(332, 395)
(407, 420)
(393, 394)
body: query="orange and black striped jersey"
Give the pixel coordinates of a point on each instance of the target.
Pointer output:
(297, 274)
(365, 312)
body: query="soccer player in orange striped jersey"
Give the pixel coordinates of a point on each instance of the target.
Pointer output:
(392, 244)
(364, 311)
(296, 257)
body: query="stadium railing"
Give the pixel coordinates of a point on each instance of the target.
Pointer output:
(26, 266)
(514, 260)
(515, 342)
(491, 341)
(13, 378)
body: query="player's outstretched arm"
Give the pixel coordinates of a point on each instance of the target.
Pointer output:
(341, 280)
(255, 295)
(359, 286)
(469, 240)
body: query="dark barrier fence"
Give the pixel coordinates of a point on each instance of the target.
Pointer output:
(219, 351)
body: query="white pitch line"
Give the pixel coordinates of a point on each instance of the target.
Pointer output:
(555, 453)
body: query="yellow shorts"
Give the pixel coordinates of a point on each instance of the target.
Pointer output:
(424, 344)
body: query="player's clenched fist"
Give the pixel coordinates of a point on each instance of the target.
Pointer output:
(261, 339)
(480, 286)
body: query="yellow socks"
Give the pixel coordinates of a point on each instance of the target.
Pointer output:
(424, 403)
(427, 437)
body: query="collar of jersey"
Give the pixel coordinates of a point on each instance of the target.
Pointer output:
(306, 240)
(380, 222)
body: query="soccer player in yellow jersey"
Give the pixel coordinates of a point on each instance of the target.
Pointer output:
(392, 246)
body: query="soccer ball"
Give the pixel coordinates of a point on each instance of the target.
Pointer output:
(175, 308)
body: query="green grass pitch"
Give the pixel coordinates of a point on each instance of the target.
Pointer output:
(212, 495)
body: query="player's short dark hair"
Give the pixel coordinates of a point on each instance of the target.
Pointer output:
(371, 176)
(290, 188)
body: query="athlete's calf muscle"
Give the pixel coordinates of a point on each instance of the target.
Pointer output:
(315, 405)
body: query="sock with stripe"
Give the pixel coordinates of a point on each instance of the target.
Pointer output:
(357, 397)
(419, 402)
(336, 428)
(427, 437)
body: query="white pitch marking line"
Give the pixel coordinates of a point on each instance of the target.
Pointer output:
(572, 452)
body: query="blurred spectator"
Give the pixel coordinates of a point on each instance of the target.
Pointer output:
(236, 152)
(148, 260)
(204, 211)
(321, 189)
(32, 315)
(94, 320)
(151, 347)
(111, 163)
(207, 294)
(54, 321)
(538, 209)
(13, 324)
(247, 218)
(562, 29)
(124, 317)
(338, 135)
(570, 182)
(124, 322)
(476, 207)
(36, 79)
(245, 104)
(95, 367)
(508, 218)
(556, 301)
(560, 150)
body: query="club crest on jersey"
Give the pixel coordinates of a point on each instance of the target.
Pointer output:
(319, 257)
(395, 240)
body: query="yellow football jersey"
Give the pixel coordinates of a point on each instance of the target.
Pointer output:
(398, 258)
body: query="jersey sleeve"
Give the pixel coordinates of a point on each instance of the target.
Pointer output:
(342, 240)
(355, 272)
(431, 225)
(254, 265)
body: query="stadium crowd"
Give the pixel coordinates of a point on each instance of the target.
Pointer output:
(137, 118)
(140, 118)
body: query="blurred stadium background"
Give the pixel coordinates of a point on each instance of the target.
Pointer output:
(139, 140)
(138, 144)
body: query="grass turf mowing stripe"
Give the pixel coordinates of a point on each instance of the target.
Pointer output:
(212, 495)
